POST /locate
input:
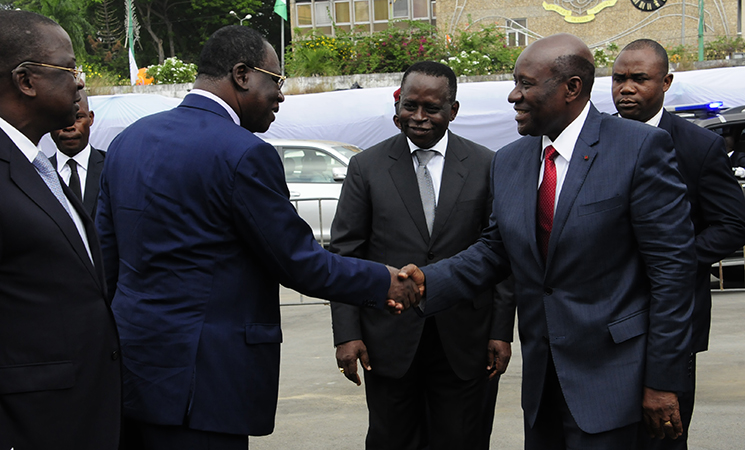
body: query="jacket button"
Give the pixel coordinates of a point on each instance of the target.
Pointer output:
(548, 291)
(115, 355)
(430, 256)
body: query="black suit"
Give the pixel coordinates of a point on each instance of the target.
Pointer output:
(380, 218)
(718, 216)
(92, 180)
(59, 366)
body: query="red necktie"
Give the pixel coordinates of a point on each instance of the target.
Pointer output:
(546, 197)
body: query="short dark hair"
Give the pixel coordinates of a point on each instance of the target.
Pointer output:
(435, 69)
(229, 46)
(20, 39)
(568, 66)
(655, 46)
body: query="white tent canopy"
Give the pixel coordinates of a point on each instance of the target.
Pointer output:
(363, 117)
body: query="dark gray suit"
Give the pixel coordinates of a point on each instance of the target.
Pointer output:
(92, 180)
(380, 218)
(60, 384)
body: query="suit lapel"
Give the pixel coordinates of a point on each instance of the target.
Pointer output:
(582, 158)
(95, 166)
(454, 174)
(404, 178)
(666, 123)
(23, 174)
(530, 171)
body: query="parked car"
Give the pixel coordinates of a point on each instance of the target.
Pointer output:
(730, 124)
(315, 171)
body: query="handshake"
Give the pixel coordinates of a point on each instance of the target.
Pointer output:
(407, 288)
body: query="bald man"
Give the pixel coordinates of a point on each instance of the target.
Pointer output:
(590, 216)
(59, 358)
(78, 163)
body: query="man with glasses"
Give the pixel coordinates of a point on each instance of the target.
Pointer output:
(198, 233)
(59, 363)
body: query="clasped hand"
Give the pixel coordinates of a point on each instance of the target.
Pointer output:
(406, 290)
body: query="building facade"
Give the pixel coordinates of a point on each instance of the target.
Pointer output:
(596, 22)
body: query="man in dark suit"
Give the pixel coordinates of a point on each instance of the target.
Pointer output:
(59, 366)
(436, 370)
(640, 80)
(590, 216)
(77, 162)
(198, 232)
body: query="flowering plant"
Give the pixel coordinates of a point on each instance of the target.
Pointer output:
(172, 71)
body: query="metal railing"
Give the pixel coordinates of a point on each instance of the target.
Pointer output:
(319, 235)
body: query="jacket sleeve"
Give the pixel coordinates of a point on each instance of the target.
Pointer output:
(350, 232)
(722, 206)
(272, 229)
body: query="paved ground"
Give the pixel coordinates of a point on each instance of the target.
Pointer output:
(320, 409)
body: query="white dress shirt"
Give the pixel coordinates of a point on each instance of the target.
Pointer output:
(564, 145)
(435, 165)
(655, 120)
(81, 159)
(30, 151)
(221, 102)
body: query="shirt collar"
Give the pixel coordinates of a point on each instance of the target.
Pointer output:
(655, 120)
(219, 101)
(81, 158)
(565, 142)
(27, 147)
(440, 147)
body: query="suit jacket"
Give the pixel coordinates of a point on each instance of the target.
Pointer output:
(612, 302)
(717, 208)
(59, 367)
(197, 233)
(380, 218)
(92, 180)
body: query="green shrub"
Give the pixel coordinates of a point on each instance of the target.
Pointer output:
(173, 71)
(467, 48)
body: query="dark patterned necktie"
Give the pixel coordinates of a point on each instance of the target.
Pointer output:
(546, 199)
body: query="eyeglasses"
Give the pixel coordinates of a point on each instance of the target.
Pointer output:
(279, 79)
(77, 72)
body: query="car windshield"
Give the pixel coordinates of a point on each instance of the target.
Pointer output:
(347, 150)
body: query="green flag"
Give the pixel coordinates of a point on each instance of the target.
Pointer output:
(280, 7)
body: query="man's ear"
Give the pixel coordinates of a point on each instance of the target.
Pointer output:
(92, 116)
(454, 110)
(666, 82)
(23, 80)
(239, 75)
(574, 88)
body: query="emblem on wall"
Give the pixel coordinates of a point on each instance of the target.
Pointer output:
(648, 5)
(580, 11)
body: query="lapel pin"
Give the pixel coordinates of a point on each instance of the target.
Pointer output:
(586, 157)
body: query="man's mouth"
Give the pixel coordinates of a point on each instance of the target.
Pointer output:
(520, 114)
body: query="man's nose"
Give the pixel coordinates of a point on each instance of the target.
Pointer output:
(514, 95)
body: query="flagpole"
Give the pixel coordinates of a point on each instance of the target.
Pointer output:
(282, 40)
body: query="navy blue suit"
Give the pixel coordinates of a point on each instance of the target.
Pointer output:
(197, 233)
(718, 216)
(611, 305)
(717, 208)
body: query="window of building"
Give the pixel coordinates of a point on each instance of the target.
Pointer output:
(362, 12)
(516, 35)
(341, 10)
(420, 9)
(323, 13)
(400, 9)
(304, 15)
(380, 10)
